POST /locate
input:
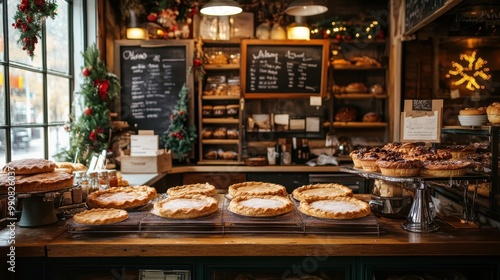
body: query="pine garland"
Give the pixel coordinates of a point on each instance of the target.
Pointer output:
(29, 19)
(91, 131)
(179, 136)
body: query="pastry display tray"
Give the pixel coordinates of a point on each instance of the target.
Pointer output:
(130, 225)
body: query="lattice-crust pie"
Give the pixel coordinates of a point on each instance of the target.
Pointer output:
(186, 206)
(42, 182)
(100, 216)
(342, 208)
(121, 197)
(317, 191)
(260, 206)
(256, 188)
(29, 166)
(203, 189)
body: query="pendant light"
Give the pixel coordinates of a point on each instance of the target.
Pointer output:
(306, 8)
(221, 8)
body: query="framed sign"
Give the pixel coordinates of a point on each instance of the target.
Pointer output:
(421, 120)
(284, 68)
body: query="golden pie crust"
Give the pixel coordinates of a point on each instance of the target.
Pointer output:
(483, 189)
(203, 189)
(256, 188)
(186, 206)
(342, 208)
(42, 182)
(445, 168)
(121, 197)
(399, 167)
(321, 191)
(29, 166)
(260, 205)
(100, 216)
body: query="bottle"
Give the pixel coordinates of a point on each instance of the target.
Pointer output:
(103, 180)
(277, 153)
(286, 157)
(113, 179)
(305, 150)
(93, 183)
(294, 150)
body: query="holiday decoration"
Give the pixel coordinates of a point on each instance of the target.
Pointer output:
(90, 132)
(197, 66)
(469, 73)
(29, 19)
(180, 136)
(173, 17)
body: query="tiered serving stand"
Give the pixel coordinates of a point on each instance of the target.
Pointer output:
(38, 208)
(421, 217)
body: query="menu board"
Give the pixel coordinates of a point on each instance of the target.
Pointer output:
(152, 74)
(284, 68)
(421, 12)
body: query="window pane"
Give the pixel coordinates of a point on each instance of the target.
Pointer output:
(57, 41)
(2, 36)
(58, 98)
(27, 143)
(2, 148)
(58, 141)
(2, 95)
(16, 52)
(26, 97)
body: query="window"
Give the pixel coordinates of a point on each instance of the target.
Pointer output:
(36, 94)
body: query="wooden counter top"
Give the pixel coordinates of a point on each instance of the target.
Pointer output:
(245, 168)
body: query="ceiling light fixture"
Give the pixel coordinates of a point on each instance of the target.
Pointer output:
(306, 8)
(221, 8)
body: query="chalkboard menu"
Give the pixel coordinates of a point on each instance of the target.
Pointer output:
(421, 12)
(284, 68)
(152, 74)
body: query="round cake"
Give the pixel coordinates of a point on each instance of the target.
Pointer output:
(186, 206)
(100, 216)
(203, 189)
(317, 191)
(343, 208)
(260, 205)
(121, 197)
(35, 183)
(445, 168)
(256, 188)
(29, 166)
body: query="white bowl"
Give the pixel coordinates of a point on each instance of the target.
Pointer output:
(475, 120)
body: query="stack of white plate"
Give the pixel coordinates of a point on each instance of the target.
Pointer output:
(472, 120)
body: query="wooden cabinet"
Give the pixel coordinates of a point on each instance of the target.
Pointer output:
(221, 180)
(220, 104)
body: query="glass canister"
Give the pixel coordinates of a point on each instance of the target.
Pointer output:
(103, 178)
(113, 179)
(81, 180)
(93, 182)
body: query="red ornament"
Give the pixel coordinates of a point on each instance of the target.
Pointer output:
(338, 37)
(181, 112)
(381, 35)
(197, 62)
(103, 89)
(151, 17)
(179, 136)
(93, 135)
(88, 111)
(86, 72)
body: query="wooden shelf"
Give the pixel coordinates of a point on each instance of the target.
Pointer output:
(220, 97)
(220, 161)
(220, 141)
(355, 41)
(220, 120)
(356, 124)
(353, 67)
(359, 96)
(221, 66)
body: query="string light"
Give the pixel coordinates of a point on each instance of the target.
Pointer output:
(474, 68)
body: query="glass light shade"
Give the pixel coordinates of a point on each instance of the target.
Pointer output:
(136, 33)
(306, 8)
(221, 8)
(298, 30)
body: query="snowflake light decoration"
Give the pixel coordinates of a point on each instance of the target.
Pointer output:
(474, 68)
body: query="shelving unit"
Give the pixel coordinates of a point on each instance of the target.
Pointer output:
(219, 145)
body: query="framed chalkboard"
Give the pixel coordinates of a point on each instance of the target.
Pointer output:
(419, 13)
(152, 74)
(284, 68)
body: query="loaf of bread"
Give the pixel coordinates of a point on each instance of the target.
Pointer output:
(372, 117)
(346, 114)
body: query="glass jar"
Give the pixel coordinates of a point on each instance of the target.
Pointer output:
(113, 179)
(103, 179)
(93, 183)
(83, 181)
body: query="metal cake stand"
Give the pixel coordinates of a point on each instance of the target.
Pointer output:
(38, 208)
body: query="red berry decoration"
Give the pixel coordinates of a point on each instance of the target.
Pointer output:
(86, 72)
(151, 17)
(88, 111)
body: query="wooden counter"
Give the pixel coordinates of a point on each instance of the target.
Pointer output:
(245, 168)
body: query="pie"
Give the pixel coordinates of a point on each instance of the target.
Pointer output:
(42, 182)
(121, 197)
(318, 191)
(445, 168)
(100, 216)
(395, 165)
(260, 205)
(483, 189)
(29, 166)
(342, 208)
(186, 206)
(203, 189)
(256, 188)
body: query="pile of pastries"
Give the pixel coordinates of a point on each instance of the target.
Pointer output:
(492, 112)
(412, 159)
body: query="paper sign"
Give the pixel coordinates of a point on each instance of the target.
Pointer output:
(421, 120)
(315, 101)
(92, 165)
(146, 132)
(144, 145)
(312, 124)
(101, 161)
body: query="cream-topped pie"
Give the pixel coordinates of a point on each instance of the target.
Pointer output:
(317, 191)
(342, 208)
(256, 188)
(260, 206)
(100, 216)
(203, 189)
(186, 206)
(121, 197)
